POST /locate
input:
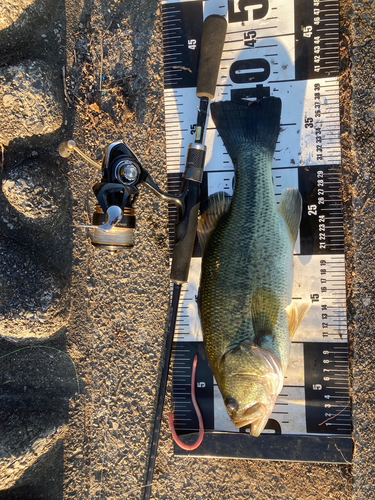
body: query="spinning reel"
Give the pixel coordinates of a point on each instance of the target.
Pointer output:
(114, 218)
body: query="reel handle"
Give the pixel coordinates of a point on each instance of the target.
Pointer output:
(66, 148)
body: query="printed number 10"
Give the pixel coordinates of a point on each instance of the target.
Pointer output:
(249, 70)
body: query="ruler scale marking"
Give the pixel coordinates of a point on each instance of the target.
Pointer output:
(302, 63)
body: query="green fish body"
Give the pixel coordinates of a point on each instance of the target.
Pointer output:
(247, 267)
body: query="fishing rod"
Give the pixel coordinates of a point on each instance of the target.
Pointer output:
(213, 36)
(113, 222)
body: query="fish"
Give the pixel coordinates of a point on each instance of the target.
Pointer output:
(245, 293)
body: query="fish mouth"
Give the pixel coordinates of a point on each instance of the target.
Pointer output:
(257, 415)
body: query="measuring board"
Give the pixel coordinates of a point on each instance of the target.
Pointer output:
(288, 49)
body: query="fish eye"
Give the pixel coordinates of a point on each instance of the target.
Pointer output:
(231, 403)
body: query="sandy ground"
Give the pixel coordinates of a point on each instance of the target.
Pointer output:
(59, 440)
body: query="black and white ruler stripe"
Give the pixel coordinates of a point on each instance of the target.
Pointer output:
(285, 48)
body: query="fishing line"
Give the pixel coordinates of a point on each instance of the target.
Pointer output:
(114, 221)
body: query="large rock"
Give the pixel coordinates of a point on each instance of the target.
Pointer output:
(12, 467)
(37, 383)
(11, 10)
(34, 301)
(38, 191)
(29, 102)
(24, 21)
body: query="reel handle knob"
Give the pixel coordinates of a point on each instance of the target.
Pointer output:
(66, 148)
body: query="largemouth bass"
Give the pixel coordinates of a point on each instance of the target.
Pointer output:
(247, 268)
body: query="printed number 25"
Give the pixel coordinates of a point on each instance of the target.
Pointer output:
(312, 210)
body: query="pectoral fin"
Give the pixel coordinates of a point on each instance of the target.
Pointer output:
(291, 209)
(265, 308)
(219, 204)
(296, 311)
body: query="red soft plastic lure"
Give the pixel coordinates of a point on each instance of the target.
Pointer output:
(181, 444)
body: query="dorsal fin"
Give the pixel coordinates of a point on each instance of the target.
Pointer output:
(218, 205)
(291, 209)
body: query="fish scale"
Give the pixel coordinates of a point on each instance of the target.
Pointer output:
(249, 221)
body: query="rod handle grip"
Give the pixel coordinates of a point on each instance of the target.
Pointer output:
(213, 36)
(185, 233)
(186, 227)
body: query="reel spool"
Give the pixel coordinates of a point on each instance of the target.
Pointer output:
(119, 237)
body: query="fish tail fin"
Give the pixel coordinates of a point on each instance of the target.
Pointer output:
(243, 123)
